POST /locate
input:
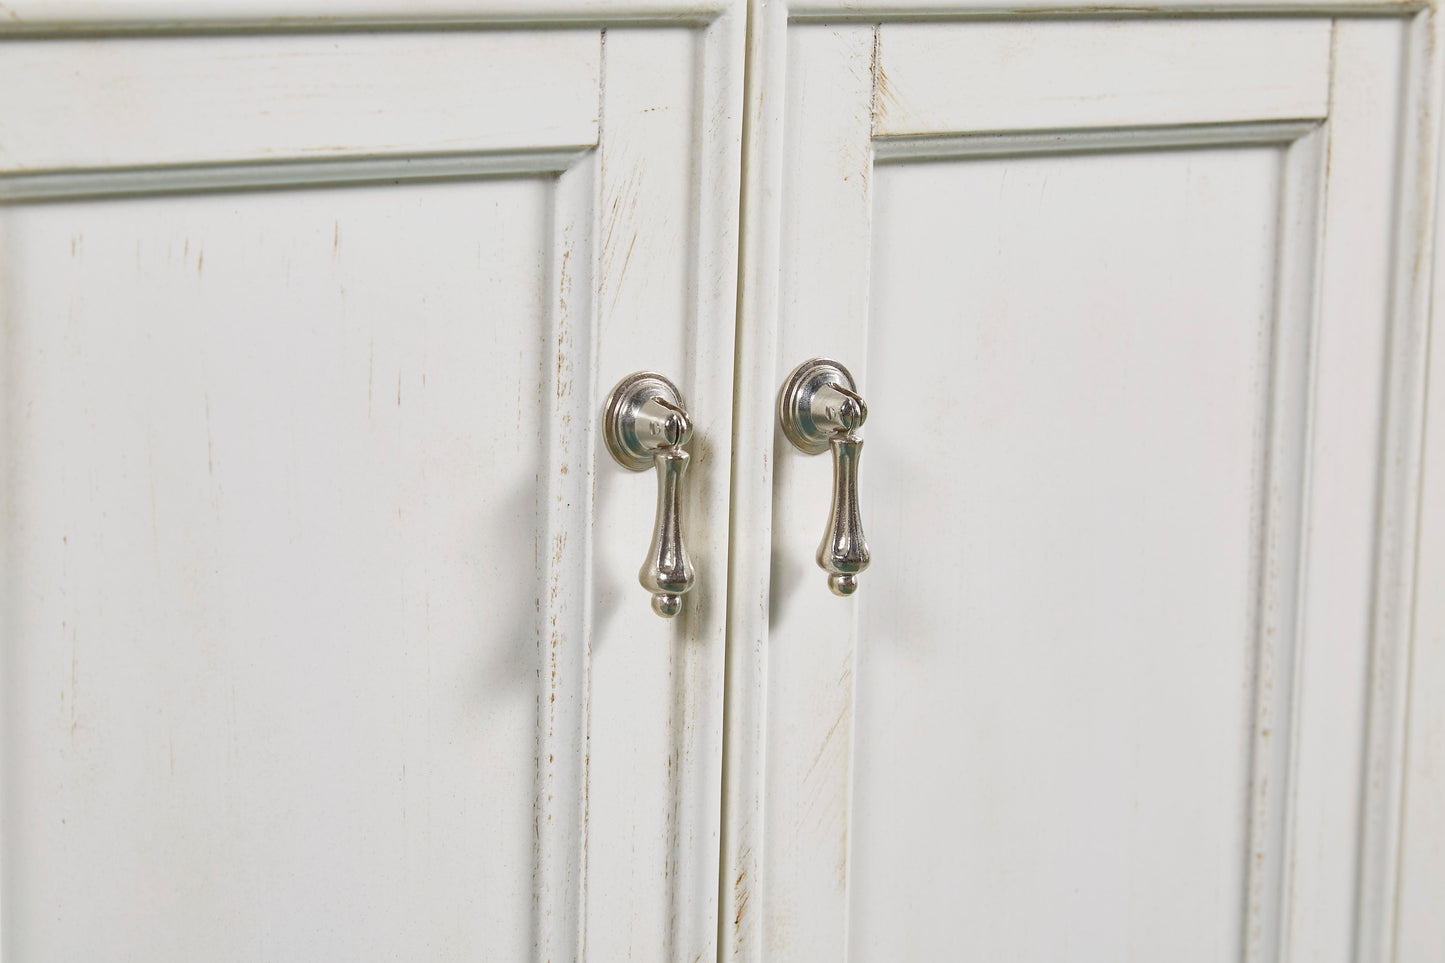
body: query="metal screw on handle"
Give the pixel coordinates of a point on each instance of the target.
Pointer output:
(820, 410)
(645, 425)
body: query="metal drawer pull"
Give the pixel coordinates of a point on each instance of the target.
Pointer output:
(645, 425)
(820, 410)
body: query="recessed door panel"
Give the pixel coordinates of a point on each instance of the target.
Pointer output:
(272, 654)
(1058, 652)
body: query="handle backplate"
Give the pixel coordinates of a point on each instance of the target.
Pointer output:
(630, 425)
(800, 412)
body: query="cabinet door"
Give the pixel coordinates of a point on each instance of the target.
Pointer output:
(322, 631)
(1137, 306)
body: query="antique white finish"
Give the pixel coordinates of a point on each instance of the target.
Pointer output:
(317, 642)
(319, 629)
(1420, 935)
(1127, 678)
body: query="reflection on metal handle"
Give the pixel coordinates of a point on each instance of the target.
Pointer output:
(820, 411)
(645, 424)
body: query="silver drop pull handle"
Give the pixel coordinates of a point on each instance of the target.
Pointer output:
(820, 410)
(645, 425)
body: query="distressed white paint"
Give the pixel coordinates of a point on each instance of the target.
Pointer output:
(110, 102)
(1421, 934)
(322, 637)
(666, 251)
(253, 544)
(1349, 391)
(1121, 74)
(57, 17)
(50, 17)
(1134, 308)
(1127, 679)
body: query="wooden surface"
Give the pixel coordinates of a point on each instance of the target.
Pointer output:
(322, 632)
(1135, 316)
(1421, 933)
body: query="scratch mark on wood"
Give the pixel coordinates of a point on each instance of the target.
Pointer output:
(828, 738)
(621, 214)
(627, 258)
(741, 890)
(875, 70)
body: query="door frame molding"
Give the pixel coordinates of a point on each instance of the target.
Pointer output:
(71, 18)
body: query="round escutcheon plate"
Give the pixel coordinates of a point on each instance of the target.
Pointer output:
(795, 402)
(619, 416)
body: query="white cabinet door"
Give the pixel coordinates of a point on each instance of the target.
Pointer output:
(322, 635)
(1137, 305)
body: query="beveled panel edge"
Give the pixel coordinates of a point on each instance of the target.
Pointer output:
(77, 18)
(101, 183)
(909, 148)
(1278, 537)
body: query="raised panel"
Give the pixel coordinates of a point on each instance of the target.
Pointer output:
(1057, 645)
(269, 663)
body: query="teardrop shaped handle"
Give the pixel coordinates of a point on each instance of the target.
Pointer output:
(645, 424)
(820, 410)
(667, 573)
